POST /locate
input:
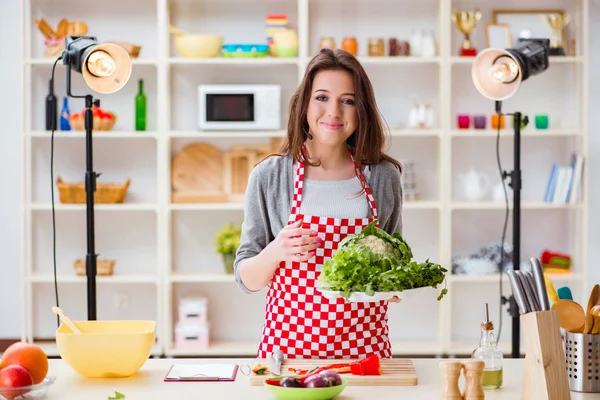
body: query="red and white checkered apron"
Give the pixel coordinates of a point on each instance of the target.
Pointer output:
(303, 323)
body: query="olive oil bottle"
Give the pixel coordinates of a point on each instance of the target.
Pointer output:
(490, 354)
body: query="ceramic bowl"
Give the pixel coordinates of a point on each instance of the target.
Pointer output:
(292, 393)
(106, 349)
(198, 46)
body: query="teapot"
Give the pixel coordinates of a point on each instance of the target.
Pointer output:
(475, 185)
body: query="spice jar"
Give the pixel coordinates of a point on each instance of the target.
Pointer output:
(327, 42)
(403, 48)
(393, 47)
(376, 47)
(350, 45)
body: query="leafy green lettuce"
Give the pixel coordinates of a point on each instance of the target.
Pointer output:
(374, 261)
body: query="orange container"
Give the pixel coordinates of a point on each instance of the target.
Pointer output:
(497, 119)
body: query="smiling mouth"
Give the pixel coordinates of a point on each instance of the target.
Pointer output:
(332, 125)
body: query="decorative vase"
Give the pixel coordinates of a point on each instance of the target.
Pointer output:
(497, 120)
(228, 260)
(463, 121)
(541, 121)
(479, 121)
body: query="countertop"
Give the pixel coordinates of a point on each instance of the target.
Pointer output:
(147, 384)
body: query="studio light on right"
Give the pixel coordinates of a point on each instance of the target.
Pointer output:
(498, 73)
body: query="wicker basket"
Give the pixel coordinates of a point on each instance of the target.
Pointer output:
(74, 193)
(103, 267)
(100, 124)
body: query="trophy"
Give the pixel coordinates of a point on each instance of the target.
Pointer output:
(557, 23)
(465, 22)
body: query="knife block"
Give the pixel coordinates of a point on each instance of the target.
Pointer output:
(545, 372)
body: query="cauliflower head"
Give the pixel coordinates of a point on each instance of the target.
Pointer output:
(377, 245)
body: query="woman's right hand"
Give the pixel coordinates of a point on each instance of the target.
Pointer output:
(294, 243)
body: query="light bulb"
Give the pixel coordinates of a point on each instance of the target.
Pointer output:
(100, 64)
(504, 70)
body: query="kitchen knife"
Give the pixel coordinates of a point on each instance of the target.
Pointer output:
(529, 291)
(517, 292)
(530, 280)
(276, 360)
(540, 283)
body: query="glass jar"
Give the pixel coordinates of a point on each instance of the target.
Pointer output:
(488, 352)
(350, 45)
(327, 42)
(376, 47)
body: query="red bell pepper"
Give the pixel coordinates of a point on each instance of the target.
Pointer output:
(366, 366)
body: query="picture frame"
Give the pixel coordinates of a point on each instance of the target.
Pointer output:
(531, 19)
(498, 36)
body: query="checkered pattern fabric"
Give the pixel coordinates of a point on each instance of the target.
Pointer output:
(304, 324)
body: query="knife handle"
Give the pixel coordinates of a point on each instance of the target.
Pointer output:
(517, 292)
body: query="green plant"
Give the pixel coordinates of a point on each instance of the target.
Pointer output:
(227, 239)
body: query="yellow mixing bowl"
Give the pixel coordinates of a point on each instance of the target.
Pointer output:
(202, 46)
(106, 349)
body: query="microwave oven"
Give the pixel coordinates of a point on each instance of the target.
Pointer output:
(239, 107)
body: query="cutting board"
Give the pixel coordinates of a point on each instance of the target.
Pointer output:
(197, 174)
(394, 372)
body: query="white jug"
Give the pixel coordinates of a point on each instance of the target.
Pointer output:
(475, 185)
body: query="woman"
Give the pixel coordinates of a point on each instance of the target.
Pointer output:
(332, 179)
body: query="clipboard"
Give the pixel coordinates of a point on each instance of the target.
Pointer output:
(202, 373)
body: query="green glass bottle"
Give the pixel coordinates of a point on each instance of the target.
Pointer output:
(140, 108)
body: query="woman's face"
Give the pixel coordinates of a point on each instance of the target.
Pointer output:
(331, 113)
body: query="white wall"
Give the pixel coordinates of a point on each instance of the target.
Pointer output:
(10, 162)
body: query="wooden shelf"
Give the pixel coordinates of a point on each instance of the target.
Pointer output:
(131, 278)
(526, 205)
(495, 278)
(530, 131)
(95, 134)
(123, 207)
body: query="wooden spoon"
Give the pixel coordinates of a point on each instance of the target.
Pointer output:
(66, 319)
(176, 31)
(571, 316)
(589, 318)
(595, 311)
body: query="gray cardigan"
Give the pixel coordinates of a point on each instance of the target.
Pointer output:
(269, 197)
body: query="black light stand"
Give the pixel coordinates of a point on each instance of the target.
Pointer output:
(90, 189)
(515, 183)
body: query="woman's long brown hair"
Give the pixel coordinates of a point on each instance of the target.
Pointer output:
(368, 139)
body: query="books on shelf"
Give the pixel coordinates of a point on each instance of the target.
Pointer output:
(564, 184)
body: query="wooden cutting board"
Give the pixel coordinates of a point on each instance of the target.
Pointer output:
(394, 372)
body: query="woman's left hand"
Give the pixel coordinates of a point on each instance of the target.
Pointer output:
(394, 299)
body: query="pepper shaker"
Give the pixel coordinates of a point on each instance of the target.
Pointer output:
(474, 379)
(450, 371)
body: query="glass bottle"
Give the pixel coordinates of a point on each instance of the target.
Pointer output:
(490, 354)
(140, 108)
(51, 108)
(65, 124)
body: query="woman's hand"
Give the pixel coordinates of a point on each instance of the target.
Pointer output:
(294, 243)
(394, 299)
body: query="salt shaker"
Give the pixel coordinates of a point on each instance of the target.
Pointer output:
(474, 379)
(450, 371)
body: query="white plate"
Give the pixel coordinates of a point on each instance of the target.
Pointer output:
(360, 297)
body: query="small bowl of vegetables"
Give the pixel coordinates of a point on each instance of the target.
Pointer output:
(322, 385)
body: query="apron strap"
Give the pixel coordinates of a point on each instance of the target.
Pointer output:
(299, 182)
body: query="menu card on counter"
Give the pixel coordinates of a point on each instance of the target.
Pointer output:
(201, 372)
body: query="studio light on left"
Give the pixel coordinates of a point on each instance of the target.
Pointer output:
(106, 67)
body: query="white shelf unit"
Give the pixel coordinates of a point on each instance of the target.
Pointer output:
(165, 250)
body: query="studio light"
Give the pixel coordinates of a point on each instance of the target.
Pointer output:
(106, 68)
(497, 75)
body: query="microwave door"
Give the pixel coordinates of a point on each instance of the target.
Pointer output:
(229, 110)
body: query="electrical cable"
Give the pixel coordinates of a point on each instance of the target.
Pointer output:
(54, 122)
(501, 264)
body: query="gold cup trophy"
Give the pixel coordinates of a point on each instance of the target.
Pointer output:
(558, 23)
(465, 22)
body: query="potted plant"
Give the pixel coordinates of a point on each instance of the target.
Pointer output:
(227, 241)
